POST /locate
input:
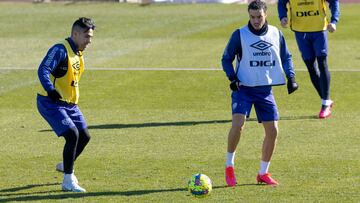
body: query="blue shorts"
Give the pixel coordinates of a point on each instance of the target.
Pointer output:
(312, 44)
(261, 97)
(60, 115)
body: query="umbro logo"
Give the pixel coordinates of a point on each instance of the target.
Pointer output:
(261, 45)
(76, 65)
(66, 121)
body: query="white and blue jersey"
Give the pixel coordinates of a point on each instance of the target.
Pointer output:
(234, 50)
(262, 58)
(260, 63)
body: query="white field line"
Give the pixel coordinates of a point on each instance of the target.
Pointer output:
(169, 69)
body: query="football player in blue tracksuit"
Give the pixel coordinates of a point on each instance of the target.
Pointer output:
(262, 58)
(59, 74)
(308, 21)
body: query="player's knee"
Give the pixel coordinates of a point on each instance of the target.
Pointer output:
(321, 58)
(85, 135)
(237, 128)
(272, 132)
(310, 64)
(322, 63)
(238, 122)
(71, 135)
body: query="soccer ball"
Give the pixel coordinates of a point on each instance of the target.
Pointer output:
(200, 185)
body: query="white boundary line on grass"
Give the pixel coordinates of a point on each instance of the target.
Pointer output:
(170, 69)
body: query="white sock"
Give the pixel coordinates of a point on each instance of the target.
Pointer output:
(230, 159)
(264, 167)
(68, 177)
(326, 102)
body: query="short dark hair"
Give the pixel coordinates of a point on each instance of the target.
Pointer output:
(257, 5)
(84, 23)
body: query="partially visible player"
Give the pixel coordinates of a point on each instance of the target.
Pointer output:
(262, 58)
(308, 21)
(59, 74)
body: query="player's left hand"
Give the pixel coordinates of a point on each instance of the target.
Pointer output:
(54, 95)
(331, 27)
(292, 86)
(235, 85)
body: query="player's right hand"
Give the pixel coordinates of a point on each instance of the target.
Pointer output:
(235, 85)
(54, 95)
(284, 22)
(331, 27)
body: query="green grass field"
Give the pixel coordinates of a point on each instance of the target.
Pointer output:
(151, 130)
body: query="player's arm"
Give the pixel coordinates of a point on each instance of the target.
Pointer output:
(286, 59)
(287, 65)
(335, 10)
(335, 13)
(282, 12)
(233, 49)
(55, 56)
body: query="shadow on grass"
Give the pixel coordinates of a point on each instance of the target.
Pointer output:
(185, 123)
(31, 196)
(179, 123)
(15, 189)
(157, 124)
